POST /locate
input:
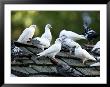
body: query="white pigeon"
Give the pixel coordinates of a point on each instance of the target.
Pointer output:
(95, 64)
(45, 39)
(43, 42)
(72, 35)
(52, 50)
(47, 33)
(96, 47)
(83, 54)
(69, 43)
(27, 34)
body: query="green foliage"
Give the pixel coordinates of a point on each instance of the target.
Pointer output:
(69, 20)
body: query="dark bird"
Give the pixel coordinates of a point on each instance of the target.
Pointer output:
(89, 33)
(64, 69)
(15, 51)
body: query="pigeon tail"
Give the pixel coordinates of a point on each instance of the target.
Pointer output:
(92, 58)
(95, 64)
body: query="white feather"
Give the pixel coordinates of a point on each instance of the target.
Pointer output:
(83, 54)
(95, 64)
(43, 42)
(72, 35)
(26, 34)
(70, 43)
(98, 58)
(96, 46)
(47, 33)
(52, 50)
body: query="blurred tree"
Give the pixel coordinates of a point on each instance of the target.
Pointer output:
(69, 20)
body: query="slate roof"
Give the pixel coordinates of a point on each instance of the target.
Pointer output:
(32, 67)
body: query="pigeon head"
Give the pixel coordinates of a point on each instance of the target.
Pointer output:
(34, 26)
(48, 26)
(63, 37)
(64, 30)
(58, 40)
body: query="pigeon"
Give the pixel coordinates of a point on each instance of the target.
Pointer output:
(95, 64)
(45, 40)
(89, 33)
(69, 44)
(52, 50)
(15, 51)
(83, 54)
(96, 48)
(64, 69)
(27, 35)
(72, 35)
(47, 33)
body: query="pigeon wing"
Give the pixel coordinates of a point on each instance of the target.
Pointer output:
(43, 41)
(54, 48)
(87, 55)
(95, 64)
(24, 36)
(47, 35)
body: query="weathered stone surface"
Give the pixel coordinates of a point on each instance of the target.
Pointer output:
(30, 66)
